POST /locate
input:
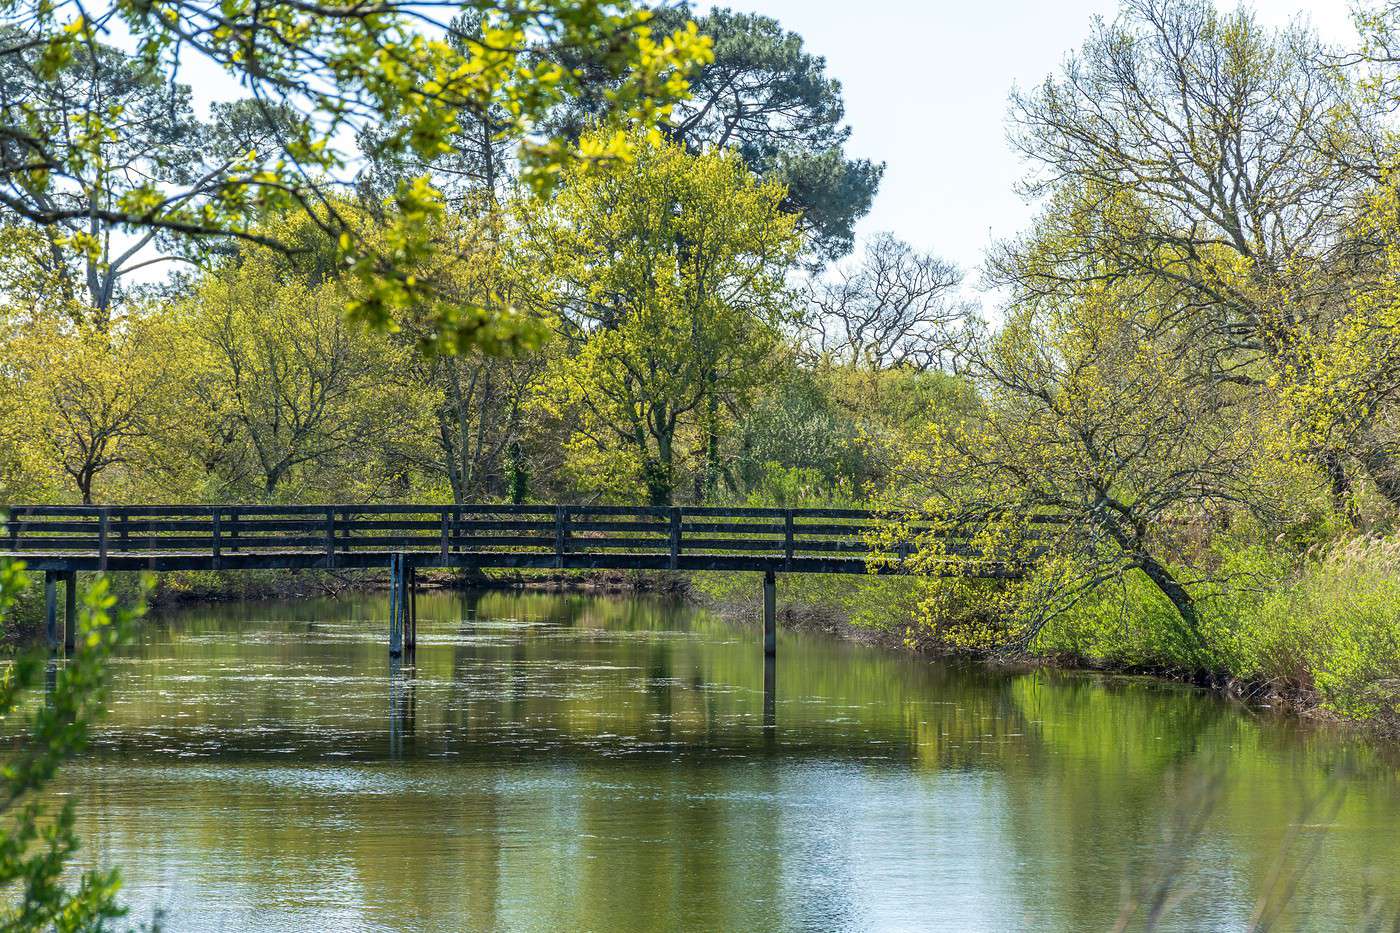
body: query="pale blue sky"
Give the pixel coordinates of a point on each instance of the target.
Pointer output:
(926, 87)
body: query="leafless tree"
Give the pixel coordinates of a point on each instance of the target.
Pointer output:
(1222, 159)
(898, 307)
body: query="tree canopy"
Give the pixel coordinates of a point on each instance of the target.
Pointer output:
(64, 156)
(765, 96)
(666, 275)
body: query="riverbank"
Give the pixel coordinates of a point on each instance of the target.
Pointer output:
(878, 611)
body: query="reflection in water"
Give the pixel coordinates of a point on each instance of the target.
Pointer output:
(770, 692)
(402, 703)
(552, 763)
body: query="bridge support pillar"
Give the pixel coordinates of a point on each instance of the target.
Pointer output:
(51, 608)
(403, 605)
(398, 593)
(770, 692)
(770, 614)
(70, 610)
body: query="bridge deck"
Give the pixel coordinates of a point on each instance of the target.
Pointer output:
(585, 537)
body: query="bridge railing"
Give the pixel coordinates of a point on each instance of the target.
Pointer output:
(716, 537)
(334, 529)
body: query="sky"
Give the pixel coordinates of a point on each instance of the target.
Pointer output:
(926, 87)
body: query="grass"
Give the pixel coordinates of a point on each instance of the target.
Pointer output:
(1322, 631)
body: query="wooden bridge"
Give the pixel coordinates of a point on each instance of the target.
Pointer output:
(62, 540)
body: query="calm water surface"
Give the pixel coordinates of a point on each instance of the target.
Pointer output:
(579, 763)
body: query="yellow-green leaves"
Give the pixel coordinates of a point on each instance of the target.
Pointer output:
(1338, 367)
(37, 839)
(666, 272)
(1102, 435)
(342, 69)
(86, 397)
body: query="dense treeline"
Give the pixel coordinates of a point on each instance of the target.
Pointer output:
(1193, 364)
(636, 333)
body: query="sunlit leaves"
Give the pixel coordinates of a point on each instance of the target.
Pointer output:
(343, 68)
(666, 272)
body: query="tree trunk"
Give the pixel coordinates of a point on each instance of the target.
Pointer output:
(1339, 483)
(658, 482)
(1171, 588)
(712, 446)
(658, 472)
(1131, 539)
(1380, 464)
(518, 474)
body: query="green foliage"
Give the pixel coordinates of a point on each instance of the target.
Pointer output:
(770, 99)
(798, 431)
(89, 398)
(1336, 624)
(1327, 626)
(37, 842)
(341, 69)
(764, 95)
(280, 386)
(1095, 442)
(666, 277)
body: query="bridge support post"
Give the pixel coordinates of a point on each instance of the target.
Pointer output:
(770, 614)
(51, 608)
(403, 605)
(70, 610)
(770, 692)
(396, 601)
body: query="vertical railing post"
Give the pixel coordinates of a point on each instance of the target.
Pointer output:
(770, 614)
(675, 537)
(787, 539)
(446, 533)
(561, 534)
(330, 537)
(233, 530)
(104, 521)
(215, 535)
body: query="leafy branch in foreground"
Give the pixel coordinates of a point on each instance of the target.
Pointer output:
(318, 74)
(36, 843)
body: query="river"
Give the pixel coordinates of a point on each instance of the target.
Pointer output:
(588, 763)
